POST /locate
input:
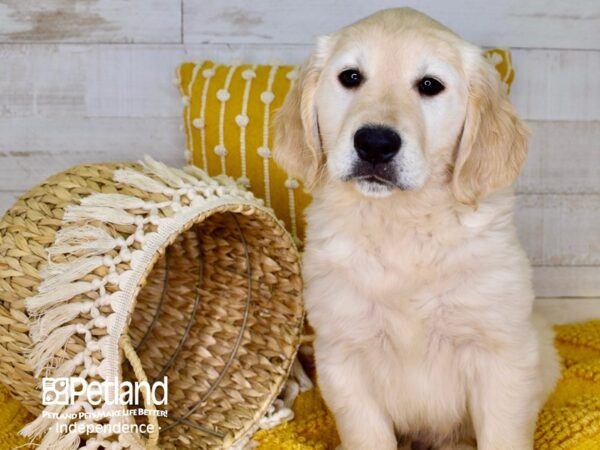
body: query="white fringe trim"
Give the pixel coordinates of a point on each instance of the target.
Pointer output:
(114, 201)
(58, 275)
(99, 213)
(169, 176)
(67, 368)
(40, 425)
(46, 299)
(141, 181)
(81, 241)
(55, 317)
(56, 441)
(43, 352)
(281, 409)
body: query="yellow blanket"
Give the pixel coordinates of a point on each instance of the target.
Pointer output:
(13, 416)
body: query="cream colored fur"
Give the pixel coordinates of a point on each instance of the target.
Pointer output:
(420, 297)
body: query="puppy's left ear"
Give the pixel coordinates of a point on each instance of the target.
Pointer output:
(493, 146)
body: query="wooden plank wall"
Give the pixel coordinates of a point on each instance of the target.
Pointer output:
(91, 80)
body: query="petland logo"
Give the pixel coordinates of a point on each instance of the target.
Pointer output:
(65, 391)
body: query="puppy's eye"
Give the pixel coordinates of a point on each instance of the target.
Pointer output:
(430, 86)
(350, 78)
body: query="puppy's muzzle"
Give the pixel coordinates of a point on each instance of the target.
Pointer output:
(376, 144)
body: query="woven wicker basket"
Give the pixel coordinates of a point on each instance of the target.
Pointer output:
(140, 272)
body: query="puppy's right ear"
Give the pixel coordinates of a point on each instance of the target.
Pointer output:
(297, 142)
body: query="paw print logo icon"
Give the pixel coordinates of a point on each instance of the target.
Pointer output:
(55, 391)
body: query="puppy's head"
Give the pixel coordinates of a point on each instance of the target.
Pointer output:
(397, 102)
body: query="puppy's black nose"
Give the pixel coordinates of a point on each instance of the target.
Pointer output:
(376, 144)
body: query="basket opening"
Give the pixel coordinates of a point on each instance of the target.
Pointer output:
(214, 319)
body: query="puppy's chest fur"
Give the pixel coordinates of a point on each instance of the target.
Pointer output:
(396, 319)
(415, 369)
(396, 296)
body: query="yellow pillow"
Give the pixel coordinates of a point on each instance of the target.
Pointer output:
(228, 114)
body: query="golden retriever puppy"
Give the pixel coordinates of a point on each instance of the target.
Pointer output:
(416, 283)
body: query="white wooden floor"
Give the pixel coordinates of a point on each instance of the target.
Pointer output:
(89, 81)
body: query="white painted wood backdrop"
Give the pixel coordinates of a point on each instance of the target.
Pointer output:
(91, 80)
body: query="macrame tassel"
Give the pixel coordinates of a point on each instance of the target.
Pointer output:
(166, 174)
(281, 409)
(226, 180)
(86, 240)
(69, 441)
(190, 179)
(200, 174)
(114, 201)
(80, 266)
(67, 368)
(40, 425)
(102, 213)
(58, 275)
(277, 414)
(56, 317)
(50, 441)
(140, 181)
(48, 298)
(43, 351)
